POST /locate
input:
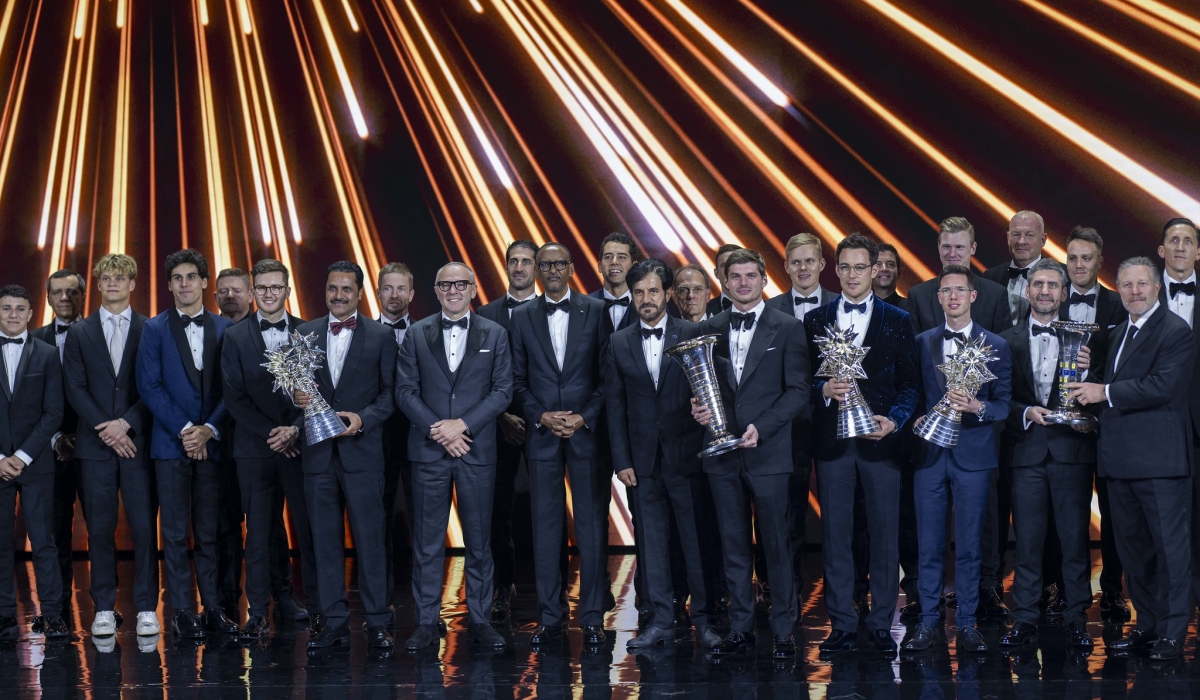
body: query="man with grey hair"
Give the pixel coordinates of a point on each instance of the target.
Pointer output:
(1026, 238)
(1145, 451)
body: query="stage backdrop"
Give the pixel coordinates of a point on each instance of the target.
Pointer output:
(431, 130)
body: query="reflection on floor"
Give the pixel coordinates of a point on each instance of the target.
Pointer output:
(128, 666)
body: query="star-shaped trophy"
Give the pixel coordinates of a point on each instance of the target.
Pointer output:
(841, 360)
(967, 371)
(294, 365)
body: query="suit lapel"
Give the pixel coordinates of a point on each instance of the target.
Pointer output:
(437, 347)
(129, 354)
(22, 366)
(541, 329)
(1022, 348)
(209, 353)
(93, 329)
(1134, 345)
(353, 352)
(476, 337)
(935, 354)
(575, 326)
(181, 344)
(638, 355)
(763, 337)
(670, 339)
(878, 309)
(323, 374)
(256, 336)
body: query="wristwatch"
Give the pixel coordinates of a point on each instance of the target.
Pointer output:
(982, 411)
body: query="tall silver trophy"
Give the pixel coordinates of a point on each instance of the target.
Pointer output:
(967, 371)
(1071, 337)
(695, 356)
(294, 365)
(841, 360)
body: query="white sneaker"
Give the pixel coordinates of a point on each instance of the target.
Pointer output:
(105, 645)
(147, 624)
(148, 643)
(105, 624)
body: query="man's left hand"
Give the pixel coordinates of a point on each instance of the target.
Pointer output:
(355, 423)
(885, 428)
(196, 437)
(64, 449)
(960, 401)
(447, 431)
(750, 437)
(1086, 393)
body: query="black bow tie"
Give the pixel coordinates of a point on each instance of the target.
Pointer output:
(814, 300)
(447, 324)
(847, 307)
(1076, 298)
(280, 325)
(197, 320)
(399, 325)
(564, 306)
(726, 303)
(951, 335)
(510, 303)
(16, 341)
(744, 321)
(1188, 288)
(1015, 272)
(609, 303)
(656, 332)
(1037, 330)
(59, 329)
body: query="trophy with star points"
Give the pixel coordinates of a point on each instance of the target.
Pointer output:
(967, 371)
(841, 360)
(294, 365)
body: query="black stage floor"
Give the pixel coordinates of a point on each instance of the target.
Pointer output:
(158, 667)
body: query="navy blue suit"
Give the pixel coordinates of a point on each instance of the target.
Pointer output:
(964, 471)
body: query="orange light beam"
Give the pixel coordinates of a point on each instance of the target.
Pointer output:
(204, 12)
(244, 15)
(80, 19)
(340, 67)
(350, 15)
(478, 7)
(57, 143)
(64, 184)
(117, 211)
(12, 106)
(218, 217)
(1170, 14)
(81, 147)
(264, 219)
(122, 13)
(1155, 23)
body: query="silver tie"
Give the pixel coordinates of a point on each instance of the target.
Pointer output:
(116, 344)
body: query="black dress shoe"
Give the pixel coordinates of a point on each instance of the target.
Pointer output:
(923, 637)
(8, 628)
(55, 627)
(1165, 650)
(1114, 605)
(839, 641)
(1021, 634)
(783, 647)
(911, 610)
(593, 635)
(882, 642)
(215, 620)
(733, 643)
(316, 622)
(502, 602)
(547, 634)
(38, 624)
(1077, 634)
(378, 637)
(1136, 639)
(288, 607)
(256, 627)
(990, 605)
(1053, 603)
(969, 639)
(330, 636)
(423, 636)
(186, 625)
(651, 637)
(951, 599)
(484, 635)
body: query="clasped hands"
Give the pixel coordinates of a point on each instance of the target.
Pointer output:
(562, 423)
(114, 434)
(452, 435)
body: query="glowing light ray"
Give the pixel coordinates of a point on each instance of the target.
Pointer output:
(218, 218)
(5, 22)
(56, 141)
(247, 21)
(12, 107)
(250, 122)
(1115, 159)
(360, 124)
(62, 196)
(122, 14)
(350, 15)
(80, 19)
(81, 145)
(1170, 14)
(204, 12)
(476, 6)
(117, 209)
(1154, 23)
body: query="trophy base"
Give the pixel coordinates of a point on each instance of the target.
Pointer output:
(1070, 418)
(856, 421)
(322, 426)
(721, 448)
(939, 430)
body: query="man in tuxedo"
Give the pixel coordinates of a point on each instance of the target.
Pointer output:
(521, 268)
(233, 299)
(1089, 302)
(765, 380)
(64, 295)
(98, 370)
(963, 473)
(32, 407)
(956, 245)
(618, 253)
(452, 444)
(889, 274)
(267, 448)
(356, 380)
(1051, 467)
(690, 297)
(804, 261)
(558, 346)
(1026, 238)
(722, 302)
(892, 390)
(655, 445)
(179, 379)
(1146, 451)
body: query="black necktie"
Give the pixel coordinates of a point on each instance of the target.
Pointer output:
(609, 303)
(5, 341)
(814, 300)
(265, 325)
(1132, 332)
(1076, 298)
(197, 320)
(1015, 272)
(60, 329)
(726, 303)
(399, 325)
(647, 332)
(951, 335)
(510, 303)
(447, 324)
(1037, 330)
(847, 307)
(1188, 288)
(564, 306)
(744, 321)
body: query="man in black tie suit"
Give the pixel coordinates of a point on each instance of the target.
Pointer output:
(114, 453)
(765, 380)
(1026, 238)
(690, 297)
(266, 446)
(31, 407)
(558, 346)
(889, 275)
(1146, 452)
(453, 378)
(618, 253)
(723, 301)
(521, 267)
(956, 245)
(356, 380)
(655, 445)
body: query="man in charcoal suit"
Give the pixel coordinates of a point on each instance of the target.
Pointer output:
(1026, 238)
(721, 302)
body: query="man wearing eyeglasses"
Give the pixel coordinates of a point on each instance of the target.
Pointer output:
(453, 378)
(558, 345)
(690, 297)
(266, 448)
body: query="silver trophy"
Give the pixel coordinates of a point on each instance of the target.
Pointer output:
(695, 356)
(294, 365)
(967, 371)
(841, 360)
(1072, 336)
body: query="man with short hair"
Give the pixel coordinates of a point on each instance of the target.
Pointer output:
(31, 406)
(956, 245)
(1026, 238)
(233, 299)
(114, 455)
(722, 302)
(889, 275)
(804, 261)
(691, 293)
(233, 293)
(618, 253)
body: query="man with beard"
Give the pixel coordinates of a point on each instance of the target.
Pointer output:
(889, 275)
(1026, 238)
(722, 302)
(618, 253)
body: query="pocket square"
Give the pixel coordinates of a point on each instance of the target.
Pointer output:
(770, 349)
(484, 350)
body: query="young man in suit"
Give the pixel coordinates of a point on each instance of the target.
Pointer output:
(889, 275)
(723, 301)
(453, 378)
(521, 268)
(31, 408)
(1026, 238)
(1051, 468)
(266, 449)
(558, 346)
(356, 379)
(892, 390)
(179, 379)
(1146, 453)
(618, 253)
(956, 245)
(765, 380)
(655, 445)
(966, 470)
(114, 455)
(805, 260)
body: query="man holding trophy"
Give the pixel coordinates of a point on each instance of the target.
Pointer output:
(876, 339)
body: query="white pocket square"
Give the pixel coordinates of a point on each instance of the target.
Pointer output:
(484, 350)
(770, 349)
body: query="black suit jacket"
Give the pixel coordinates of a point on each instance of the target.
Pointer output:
(364, 387)
(990, 309)
(1029, 447)
(46, 334)
(98, 395)
(1194, 391)
(783, 302)
(1110, 313)
(629, 319)
(642, 419)
(1146, 433)
(32, 410)
(895, 300)
(250, 395)
(892, 387)
(477, 392)
(772, 393)
(715, 306)
(496, 312)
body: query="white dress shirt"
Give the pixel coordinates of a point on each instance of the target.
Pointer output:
(1182, 305)
(12, 360)
(1043, 351)
(195, 338)
(558, 322)
(799, 310)
(519, 301)
(273, 337)
(616, 312)
(1082, 313)
(1135, 324)
(1018, 303)
(399, 332)
(60, 339)
(950, 347)
(652, 348)
(740, 338)
(336, 347)
(455, 340)
(854, 319)
(109, 324)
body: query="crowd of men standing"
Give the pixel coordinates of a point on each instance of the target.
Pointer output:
(177, 415)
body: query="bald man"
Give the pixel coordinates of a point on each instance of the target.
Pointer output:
(1026, 238)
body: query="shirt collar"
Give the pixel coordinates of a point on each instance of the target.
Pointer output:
(183, 315)
(468, 317)
(58, 323)
(566, 297)
(383, 319)
(24, 335)
(816, 293)
(608, 295)
(1168, 280)
(261, 318)
(966, 331)
(662, 323)
(1015, 266)
(1094, 290)
(869, 301)
(1142, 321)
(333, 319)
(1030, 324)
(105, 314)
(757, 310)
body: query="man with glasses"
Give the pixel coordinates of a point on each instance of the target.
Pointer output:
(692, 289)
